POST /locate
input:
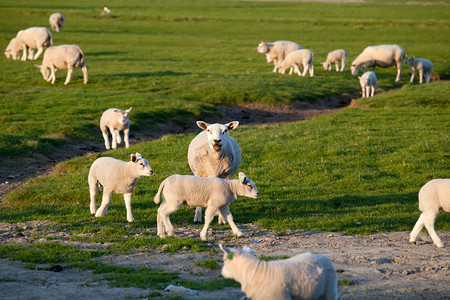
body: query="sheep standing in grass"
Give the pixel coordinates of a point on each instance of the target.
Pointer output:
(335, 57)
(293, 60)
(433, 196)
(31, 38)
(56, 21)
(214, 153)
(9, 53)
(424, 66)
(63, 57)
(116, 176)
(304, 276)
(383, 56)
(216, 194)
(368, 82)
(277, 51)
(115, 120)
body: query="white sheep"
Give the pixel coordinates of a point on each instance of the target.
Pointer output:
(277, 51)
(368, 82)
(216, 194)
(115, 120)
(63, 57)
(106, 11)
(9, 53)
(56, 21)
(214, 153)
(383, 56)
(433, 196)
(335, 57)
(304, 276)
(424, 66)
(302, 57)
(31, 38)
(116, 176)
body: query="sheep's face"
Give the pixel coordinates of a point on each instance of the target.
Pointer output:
(250, 189)
(364, 81)
(409, 60)
(8, 54)
(231, 256)
(45, 72)
(122, 116)
(142, 165)
(12, 50)
(325, 66)
(216, 133)
(262, 48)
(354, 69)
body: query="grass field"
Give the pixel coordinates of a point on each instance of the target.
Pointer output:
(357, 171)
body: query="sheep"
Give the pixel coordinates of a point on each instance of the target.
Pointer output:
(116, 176)
(56, 21)
(277, 51)
(27, 40)
(298, 58)
(304, 276)
(216, 194)
(383, 56)
(106, 11)
(335, 57)
(214, 153)
(368, 82)
(115, 120)
(424, 66)
(433, 196)
(63, 57)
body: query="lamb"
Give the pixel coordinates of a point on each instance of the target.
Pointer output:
(9, 53)
(216, 194)
(304, 276)
(56, 21)
(335, 57)
(433, 196)
(115, 120)
(106, 11)
(31, 38)
(214, 153)
(383, 56)
(368, 82)
(116, 176)
(63, 57)
(277, 51)
(298, 58)
(424, 66)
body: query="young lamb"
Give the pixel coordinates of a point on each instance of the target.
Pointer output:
(277, 51)
(368, 82)
(304, 276)
(116, 176)
(424, 66)
(115, 120)
(31, 38)
(214, 153)
(335, 57)
(383, 56)
(63, 57)
(298, 58)
(216, 194)
(433, 196)
(15, 55)
(56, 21)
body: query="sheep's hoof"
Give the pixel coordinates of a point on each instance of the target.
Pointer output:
(197, 222)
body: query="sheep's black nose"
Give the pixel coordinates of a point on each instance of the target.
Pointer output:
(217, 141)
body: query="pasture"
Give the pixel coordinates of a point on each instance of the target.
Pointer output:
(357, 171)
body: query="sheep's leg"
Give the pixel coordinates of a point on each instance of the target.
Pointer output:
(198, 215)
(209, 216)
(417, 228)
(275, 66)
(222, 219)
(311, 70)
(127, 198)
(291, 70)
(105, 137)
(372, 91)
(30, 53)
(337, 66)
(160, 224)
(93, 194)
(53, 74)
(343, 66)
(297, 70)
(420, 76)
(225, 211)
(40, 49)
(165, 210)
(85, 74)
(429, 220)
(126, 132)
(114, 138)
(427, 77)
(364, 92)
(24, 52)
(305, 69)
(119, 138)
(413, 73)
(399, 72)
(69, 74)
(103, 209)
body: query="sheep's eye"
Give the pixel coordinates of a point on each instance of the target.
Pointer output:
(207, 130)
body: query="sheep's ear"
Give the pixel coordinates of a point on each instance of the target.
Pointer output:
(248, 249)
(128, 110)
(202, 125)
(225, 250)
(242, 177)
(37, 66)
(232, 125)
(138, 155)
(133, 158)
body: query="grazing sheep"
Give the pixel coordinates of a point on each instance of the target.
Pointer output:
(383, 56)
(335, 57)
(298, 58)
(63, 57)
(115, 119)
(31, 38)
(15, 55)
(277, 51)
(56, 22)
(216, 194)
(304, 276)
(433, 196)
(214, 153)
(368, 82)
(106, 11)
(424, 66)
(116, 176)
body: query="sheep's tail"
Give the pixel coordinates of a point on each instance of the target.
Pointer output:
(158, 194)
(49, 41)
(81, 62)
